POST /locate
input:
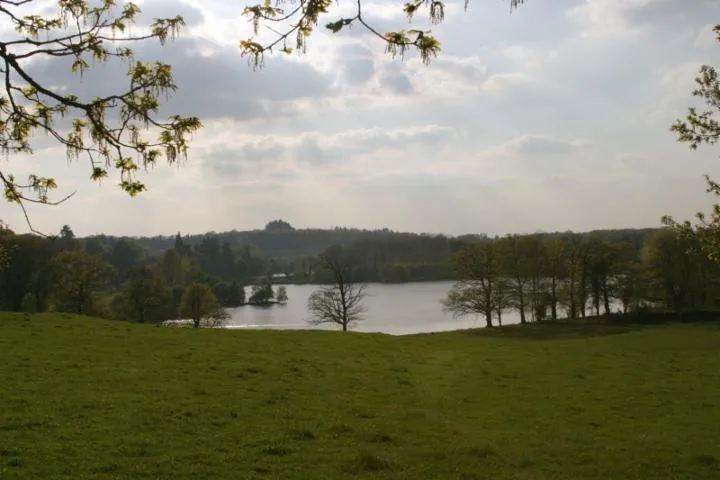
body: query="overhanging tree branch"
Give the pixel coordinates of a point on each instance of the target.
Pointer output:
(107, 130)
(303, 19)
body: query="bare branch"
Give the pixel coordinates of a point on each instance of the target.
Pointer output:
(340, 303)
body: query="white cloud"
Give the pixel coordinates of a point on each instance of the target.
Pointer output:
(706, 38)
(502, 81)
(540, 145)
(674, 86)
(528, 56)
(606, 18)
(316, 151)
(612, 18)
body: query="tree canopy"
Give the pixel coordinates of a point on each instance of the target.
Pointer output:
(200, 305)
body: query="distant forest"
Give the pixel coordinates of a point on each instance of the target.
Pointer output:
(287, 254)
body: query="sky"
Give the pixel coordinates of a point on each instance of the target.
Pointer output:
(553, 117)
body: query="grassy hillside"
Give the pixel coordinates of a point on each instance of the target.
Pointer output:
(84, 398)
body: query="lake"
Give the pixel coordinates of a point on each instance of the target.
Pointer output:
(397, 309)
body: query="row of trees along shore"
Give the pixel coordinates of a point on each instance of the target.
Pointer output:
(572, 276)
(542, 276)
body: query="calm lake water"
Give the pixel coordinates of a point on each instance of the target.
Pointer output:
(397, 309)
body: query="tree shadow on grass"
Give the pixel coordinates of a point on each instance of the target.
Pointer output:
(561, 329)
(597, 326)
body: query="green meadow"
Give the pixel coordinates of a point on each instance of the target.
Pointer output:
(82, 398)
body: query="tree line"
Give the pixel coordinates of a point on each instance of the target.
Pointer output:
(576, 275)
(83, 276)
(382, 255)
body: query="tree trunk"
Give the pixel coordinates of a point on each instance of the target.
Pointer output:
(533, 310)
(679, 303)
(40, 302)
(553, 300)
(344, 306)
(81, 300)
(606, 297)
(488, 319)
(535, 299)
(573, 301)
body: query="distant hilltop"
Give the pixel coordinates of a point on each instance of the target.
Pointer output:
(278, 226)
(280, 239)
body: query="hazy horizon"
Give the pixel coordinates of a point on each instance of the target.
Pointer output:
(350, 227)
(555, 117)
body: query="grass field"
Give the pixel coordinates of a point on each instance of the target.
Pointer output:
(84, 398)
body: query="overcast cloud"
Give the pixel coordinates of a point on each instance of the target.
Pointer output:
(553, 117)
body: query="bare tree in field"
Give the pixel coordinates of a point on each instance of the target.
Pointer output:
(341, 302)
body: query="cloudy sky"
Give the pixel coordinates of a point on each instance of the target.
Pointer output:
(553, 117)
